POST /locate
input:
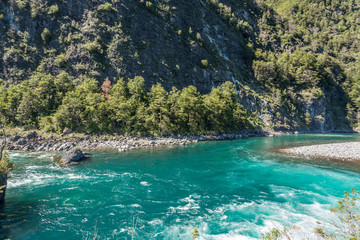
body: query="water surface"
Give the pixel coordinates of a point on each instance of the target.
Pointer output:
(229, 190)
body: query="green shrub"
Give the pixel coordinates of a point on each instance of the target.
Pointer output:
(46, 35)
(107, 7)
(5, 164)
(308, 118)
(53, 9)
(61, 60)
(149, 4)
(47, 124)
(21, 4)
(204, 63)
(94, 47)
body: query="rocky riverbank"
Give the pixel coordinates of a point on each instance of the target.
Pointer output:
(347, 151)
(37, 142)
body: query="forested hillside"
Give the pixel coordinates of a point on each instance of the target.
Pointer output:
(153, 67)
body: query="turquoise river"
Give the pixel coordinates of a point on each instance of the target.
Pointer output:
(228, 189)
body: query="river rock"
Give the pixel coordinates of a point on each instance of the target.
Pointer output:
(15, 138)
(31, 135)
(22, 142)
(73, 157)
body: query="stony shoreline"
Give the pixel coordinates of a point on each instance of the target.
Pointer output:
(345, 151)
(33, 142)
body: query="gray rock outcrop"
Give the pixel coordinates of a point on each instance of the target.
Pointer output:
(73, 157)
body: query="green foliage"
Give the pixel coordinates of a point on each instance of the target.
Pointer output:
(120, 107)
(204, 63)
(61, 60)
(5, 164)
(21, 4)
(195, 234)
(189, 111)
(348, 212)
(137, 88)
(317, 48)
(291, 46)
(46, 36)
(308, 118)
(54, 103)
(82, 108)
(158, 113)
(107, 7)
(273, 234)
(39, 96)
(148, 4)
(48, 124)
(95, 47)
(221, 108)
(53, 9)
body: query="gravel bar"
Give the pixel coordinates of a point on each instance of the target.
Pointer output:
(342, 151)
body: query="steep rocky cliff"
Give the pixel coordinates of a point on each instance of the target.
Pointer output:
(177, 43)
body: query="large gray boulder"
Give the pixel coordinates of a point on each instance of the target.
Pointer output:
(73, 157)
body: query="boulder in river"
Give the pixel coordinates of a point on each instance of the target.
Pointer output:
(73, 157)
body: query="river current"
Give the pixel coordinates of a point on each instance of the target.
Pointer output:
(227, 189)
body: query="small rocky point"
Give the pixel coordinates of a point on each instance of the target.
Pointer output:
(73, 157)
(345, 151)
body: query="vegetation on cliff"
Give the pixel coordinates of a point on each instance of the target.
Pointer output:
(294, 64)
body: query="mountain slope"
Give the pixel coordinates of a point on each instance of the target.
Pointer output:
(294, 67)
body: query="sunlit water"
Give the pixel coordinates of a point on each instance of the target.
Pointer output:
(229, 190)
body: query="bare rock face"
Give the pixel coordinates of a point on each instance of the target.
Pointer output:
(73, 157)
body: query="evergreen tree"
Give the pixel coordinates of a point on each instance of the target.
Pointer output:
(189, 111)
(158, 113)
(119, 106)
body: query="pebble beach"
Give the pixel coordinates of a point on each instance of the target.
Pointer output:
(341, 151)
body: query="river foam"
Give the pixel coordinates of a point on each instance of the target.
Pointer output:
(228, 190)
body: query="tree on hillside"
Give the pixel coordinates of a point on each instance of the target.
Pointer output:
(189, 110)
(158, 120)
(106, 88)
(119, 106)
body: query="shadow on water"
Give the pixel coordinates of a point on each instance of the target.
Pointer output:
(19, 215)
